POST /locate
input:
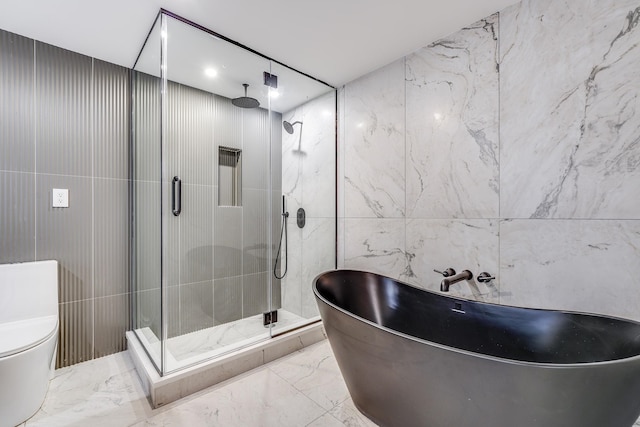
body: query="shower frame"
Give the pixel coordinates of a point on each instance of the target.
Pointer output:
(162, 16)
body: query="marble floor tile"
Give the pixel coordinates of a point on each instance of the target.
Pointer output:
(349, 415)
(261, 398)
(314, 372)
(101, 392)
(302, 389)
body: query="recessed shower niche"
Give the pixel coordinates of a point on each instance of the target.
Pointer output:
(205, 113)
(229, 176)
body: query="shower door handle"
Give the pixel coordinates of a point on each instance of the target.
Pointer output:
(176, 196)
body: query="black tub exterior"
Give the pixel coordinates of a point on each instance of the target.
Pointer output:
(411, 357)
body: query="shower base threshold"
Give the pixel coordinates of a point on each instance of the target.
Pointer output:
(161, 390)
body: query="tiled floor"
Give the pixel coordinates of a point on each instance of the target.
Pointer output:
(302, 389)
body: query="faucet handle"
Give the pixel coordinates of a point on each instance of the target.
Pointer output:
(485, 277)
(446, 273)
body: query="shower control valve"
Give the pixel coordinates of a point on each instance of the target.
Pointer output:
(446, 273)
(485, 277)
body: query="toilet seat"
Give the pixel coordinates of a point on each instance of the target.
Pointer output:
(25, 334)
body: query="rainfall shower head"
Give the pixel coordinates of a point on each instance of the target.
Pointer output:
(245, 101)
(289, 126)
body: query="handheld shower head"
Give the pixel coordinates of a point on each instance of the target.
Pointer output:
(289, 126)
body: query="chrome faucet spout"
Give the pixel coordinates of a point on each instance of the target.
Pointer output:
(448, 281)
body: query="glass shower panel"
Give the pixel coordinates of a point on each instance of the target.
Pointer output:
(216, 205)
(146, 196)
(222, 137)
(307, 158)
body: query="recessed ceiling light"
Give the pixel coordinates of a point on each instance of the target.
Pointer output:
(211, 72)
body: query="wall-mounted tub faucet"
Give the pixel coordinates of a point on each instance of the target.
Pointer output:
(450, 280)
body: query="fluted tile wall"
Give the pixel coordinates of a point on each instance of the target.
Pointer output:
(64, 123)
(215, 257)
(510, 147)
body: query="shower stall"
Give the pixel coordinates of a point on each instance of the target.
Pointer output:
(230, 149)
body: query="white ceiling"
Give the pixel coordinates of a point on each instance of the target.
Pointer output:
(333, 40)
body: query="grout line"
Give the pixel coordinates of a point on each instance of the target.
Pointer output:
(93, 203)
(35, 155)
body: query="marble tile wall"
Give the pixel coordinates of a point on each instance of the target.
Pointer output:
(308, 182)
(511, 146)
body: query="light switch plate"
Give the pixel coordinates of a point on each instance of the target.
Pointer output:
(60, 198)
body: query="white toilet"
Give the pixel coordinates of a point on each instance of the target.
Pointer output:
(28, 337)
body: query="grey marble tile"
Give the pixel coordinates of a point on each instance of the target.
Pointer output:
(291, 284)
(460, 244)
(102, 392)
(452, 126)
(292, 162)
(318, 152)
(376, 245)
(374, 141)
(587, 265)
(318, 255)
(260, 398)
(569, 124)
(315, 373)
(350, 415)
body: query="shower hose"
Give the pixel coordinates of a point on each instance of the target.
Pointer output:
(283, 231)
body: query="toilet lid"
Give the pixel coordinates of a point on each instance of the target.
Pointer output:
(24, 334)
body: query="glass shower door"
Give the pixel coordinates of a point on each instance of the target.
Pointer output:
(216, 205)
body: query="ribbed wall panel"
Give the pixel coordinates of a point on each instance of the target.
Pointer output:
(66, 234)
(111, 120)
(111, 323)
(75, 342)
(63, 93)
(227, 128)
(196, 306)
(111, 236)
(195, 112)
(17, 217)
(196, 234)
(227, 300)
(146, 127)
(254, 294)
(17, 112)
(147, 235)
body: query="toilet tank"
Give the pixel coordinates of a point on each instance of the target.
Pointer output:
(28, 290)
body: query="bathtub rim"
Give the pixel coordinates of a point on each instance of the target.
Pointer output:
(471, 353)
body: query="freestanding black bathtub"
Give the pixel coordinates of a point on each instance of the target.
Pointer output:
(412, 357)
